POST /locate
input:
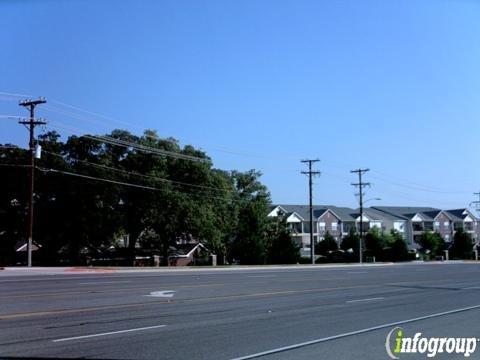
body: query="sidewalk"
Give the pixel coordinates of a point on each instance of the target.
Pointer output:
(16, 271)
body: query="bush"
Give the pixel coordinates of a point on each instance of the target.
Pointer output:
(326, 245)
(432, 244)
(462, 246)
(374, 243)
(351, 241)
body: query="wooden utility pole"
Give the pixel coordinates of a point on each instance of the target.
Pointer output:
(310, 174)
(360, 185)
(31, 123)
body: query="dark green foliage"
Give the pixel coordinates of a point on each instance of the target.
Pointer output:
(462, 246)
(374, 243)
(351, 242)
(249, 243)
(326, 245)
(281, 247)
(77, 217)
(431, 244)
(396, 249)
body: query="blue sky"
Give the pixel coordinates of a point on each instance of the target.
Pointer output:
(389, 85)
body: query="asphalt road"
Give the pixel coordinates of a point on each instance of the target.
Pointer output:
(345, 313)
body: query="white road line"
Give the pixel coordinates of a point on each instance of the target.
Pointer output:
(103, 282)
(369, 299)
(352, 333)
(357, 272)
(109, 333)
(262, 276)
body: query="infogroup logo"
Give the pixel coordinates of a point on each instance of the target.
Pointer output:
(397, 343)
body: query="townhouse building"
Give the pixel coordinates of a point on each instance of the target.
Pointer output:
(411, 222)
(445, 222)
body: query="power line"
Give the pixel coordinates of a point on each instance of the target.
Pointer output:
(431, 190)
(215, 148)
(400, 183)
(310, 174)
(15, 165)
(128, 144)
(477, 202)
(11, 117)
(133, 173)
(51, 170)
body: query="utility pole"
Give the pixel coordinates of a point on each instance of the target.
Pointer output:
(311, 173)
(476, 203)
(31, 123)
(360, 185)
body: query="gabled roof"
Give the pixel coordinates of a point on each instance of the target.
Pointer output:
(378, 215)
(343, 213)
(21, 246)
(460, 214)
(408, 212)
(185, 250)
(294, 214)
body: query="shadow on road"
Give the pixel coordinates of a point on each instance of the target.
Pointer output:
(51, 358)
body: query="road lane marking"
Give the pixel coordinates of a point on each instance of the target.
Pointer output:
(362, 300)
(108, 333)
(352, 333)
(103, 282)
(261, 276)
(164, 293)
(357, 272)
(81, 292)
(150, 303)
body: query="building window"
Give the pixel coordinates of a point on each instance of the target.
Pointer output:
(447, 238)
(321, 226)
(334, 226)
(437, 224)
(296, 227)
(446, 224)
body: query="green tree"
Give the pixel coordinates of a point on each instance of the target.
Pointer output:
(281, 249)
(462, 246)
(326, 245)
(374, 243)
(351, 242)
(397, 248)
(176, 198)
(431, 243)
(251, 208)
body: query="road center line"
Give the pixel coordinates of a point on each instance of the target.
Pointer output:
(352, 333)
(109, 333)
(362, 300)
(103, 282)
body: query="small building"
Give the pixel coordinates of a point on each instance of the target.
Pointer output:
(190, 254)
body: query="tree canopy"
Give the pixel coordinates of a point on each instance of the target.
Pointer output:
(92, 190)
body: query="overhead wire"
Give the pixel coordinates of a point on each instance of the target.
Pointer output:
(383, 176)
(128, 144)
(89, 177)
(133, 173)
